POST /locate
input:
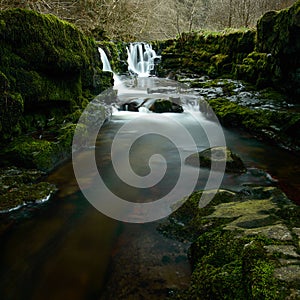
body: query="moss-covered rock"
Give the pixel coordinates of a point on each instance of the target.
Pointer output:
(222, 158)
(162, 106)
(276, 60)
(206, 53)
(43, 62)
(267, 56)
(19, 187)
(117, 55)
(243, 244)
(49, 71)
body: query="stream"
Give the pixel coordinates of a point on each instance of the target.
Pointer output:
(66, 249)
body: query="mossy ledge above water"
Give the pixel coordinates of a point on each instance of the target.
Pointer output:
(279, 127)
(244, 245)
(49, 71)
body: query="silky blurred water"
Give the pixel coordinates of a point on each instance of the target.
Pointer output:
(64, 249)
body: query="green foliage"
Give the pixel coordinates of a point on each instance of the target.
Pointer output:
(264, 285)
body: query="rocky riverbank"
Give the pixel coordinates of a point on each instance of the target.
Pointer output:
(245, 245)
(265, 113)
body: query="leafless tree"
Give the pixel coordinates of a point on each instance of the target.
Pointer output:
(152, 19)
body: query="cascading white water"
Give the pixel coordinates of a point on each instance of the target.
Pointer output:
(141, 58)
(105, 61)
(107, 67)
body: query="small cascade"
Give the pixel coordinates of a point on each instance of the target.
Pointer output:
(105, 61)
(141, 59)
(107, 67)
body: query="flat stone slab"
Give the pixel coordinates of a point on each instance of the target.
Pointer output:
(277, 232)
(288, 250)
(238, 209)
(288, 273)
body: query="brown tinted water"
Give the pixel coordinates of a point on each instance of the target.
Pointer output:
(66, 249)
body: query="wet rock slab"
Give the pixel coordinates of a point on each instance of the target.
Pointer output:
(247, 238)
(19, 187)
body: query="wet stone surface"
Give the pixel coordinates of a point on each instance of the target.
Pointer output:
(19, 187)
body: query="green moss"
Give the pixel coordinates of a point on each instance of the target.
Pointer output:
(231, 267)
(34, 152)
(66, 134)
(11, 109)
(227, 262)
(45, 62)
(263, 284)
(24, 194)
(188, 222)
(206, 52)
(162, 106)
(271, 125)
(116, 54)
(278, 35)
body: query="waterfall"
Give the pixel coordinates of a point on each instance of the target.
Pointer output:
(107, 67)
(141, 58)
(105, 61)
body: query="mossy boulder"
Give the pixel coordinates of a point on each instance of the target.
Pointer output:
(221, 158)
(42, 152)
(163, 106)
(276, 60)
(11, 108)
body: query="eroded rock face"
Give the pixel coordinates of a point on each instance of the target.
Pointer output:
(221, 157)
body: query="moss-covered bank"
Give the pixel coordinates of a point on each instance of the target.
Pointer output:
(206, 53)
(267, 56)
(278, 127)
(276, 60)
(245, 245)
(49, 70)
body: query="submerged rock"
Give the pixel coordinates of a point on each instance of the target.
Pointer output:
(219, 156)
(154, 105)
(162, 106)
